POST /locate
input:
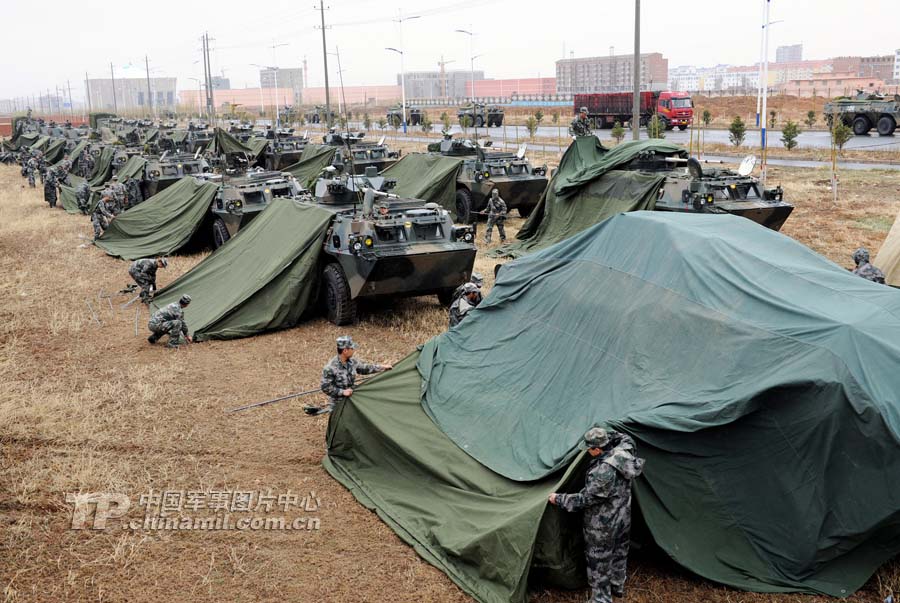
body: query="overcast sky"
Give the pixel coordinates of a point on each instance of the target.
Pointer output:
(47, 43)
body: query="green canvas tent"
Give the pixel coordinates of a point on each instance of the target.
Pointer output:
(76, 151)
(256, 144)
(133, 168)
(67, 195)
(586, 190)
(103, 167)
(224, 143)
(40, 144)
(314, 159)
(162, 224)
(758, 378)
(265, 278)
(56, 148)
(428, 177)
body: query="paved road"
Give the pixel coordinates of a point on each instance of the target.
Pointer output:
(510, 143)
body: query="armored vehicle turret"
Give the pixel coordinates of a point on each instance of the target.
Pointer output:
(284, 148)
(165, 170)
(362, 155)
(240, 199)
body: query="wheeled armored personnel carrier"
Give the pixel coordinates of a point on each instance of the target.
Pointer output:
(380, 245)
(283, 148)
(362, 155)
(395, 115)
(865, 112)
(481, 115)
(318, 115)
(519, 183)
(691, 188)
(165, 170)
(240, 199)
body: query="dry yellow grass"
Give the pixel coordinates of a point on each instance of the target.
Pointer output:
(87, 408)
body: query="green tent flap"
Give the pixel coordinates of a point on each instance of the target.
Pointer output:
(67, 195)
(758, 378)
(314, 159)
(150, 134)
(40, 144)
(55, 150)
(133, 168)
(224, 143)
(162, 224)
(264, 278)
(475, 525)
(75, 153)
(428, 177)
(257, 145)
(103, 167)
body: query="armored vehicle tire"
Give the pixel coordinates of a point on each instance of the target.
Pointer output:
(886, 125)
(683, 127)
(339, 306)
(479, 121)
(220, 233)
(445, 296)
(861, 126)
(463, 206)
(525, 210)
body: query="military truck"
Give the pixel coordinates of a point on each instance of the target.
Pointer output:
(351, 150)
(165, 170)
(481, 115)
(317, 115)
(519, 183)
(284, 148)
(864, 112)
(395, 115)
(240, 199)
(691, 188)
(381, 245)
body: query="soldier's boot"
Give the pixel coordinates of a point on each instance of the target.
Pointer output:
(617, 590)
(153, 338)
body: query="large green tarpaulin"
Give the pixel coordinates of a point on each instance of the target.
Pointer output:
(162, 224)
(67, 195)
(133, 168)
(224, 143)
(264, 278)
(22, 141)
(75, 153)
(103, 167)
(40, 144)
(758, 378)
(256, 144)
(314, 159)
(585, 190)
(428, 177)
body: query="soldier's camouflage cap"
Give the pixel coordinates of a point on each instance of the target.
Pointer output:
(596, 437)
(583, 110)
(861, 255)
(470, 288)
(345, 341)
(478, 279)
(185, 300)
(164, 262)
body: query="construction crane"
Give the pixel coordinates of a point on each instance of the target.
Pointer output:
(441, 64)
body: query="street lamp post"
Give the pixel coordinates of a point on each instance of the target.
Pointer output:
(473, 57)
(275, 62)
(765, 99)
(199, 92)
(399, 21)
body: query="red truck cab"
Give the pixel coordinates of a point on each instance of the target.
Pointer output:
(676, 108)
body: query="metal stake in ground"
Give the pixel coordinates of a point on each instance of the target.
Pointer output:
(94, 314)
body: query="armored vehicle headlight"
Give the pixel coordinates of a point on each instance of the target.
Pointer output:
(357, 246)
(487, 174)
(709, 198)
(468, 237)
(408, 224)
(179, 166)
(369, 241)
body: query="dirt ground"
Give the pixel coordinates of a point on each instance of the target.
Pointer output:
(88, 407)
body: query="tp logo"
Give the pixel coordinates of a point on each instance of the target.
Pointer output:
(100, 505)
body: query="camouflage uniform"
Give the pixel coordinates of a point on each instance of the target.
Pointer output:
(87, 164)
(338, 376)
(459, 309)
(169, 319)
(143, 272)
(579, 127)
(101, 217)
(30, 168)
(62, 171)
(134, 192)
(117, 189)
(50, 188)
(864, 268)
(496, 208)
(606, 503)
(83, 197)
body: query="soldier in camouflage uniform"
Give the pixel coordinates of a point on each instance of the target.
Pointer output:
(31, 167)
(864, 268)
(62, 169)
(143, 272)
(119, 193)
(170, 320)
(102, 215)
(496, 212)
(339, 375)
(133, 189)
(83, 197)
(41, 165)
(606, 503)
(463, 304)
(476, 279)
(87, 163)
(50, 187)
(579, 125)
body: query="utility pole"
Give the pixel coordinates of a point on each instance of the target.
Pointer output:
(636, 101)
(325, 60)
(87, 92)
(71, 104)
(149, 93)
(205, 80)
(113, 76)
(765, 99)
(210, 101)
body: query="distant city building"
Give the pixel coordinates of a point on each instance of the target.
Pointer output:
(897, 66)
(220, 83)
(428, 84)
(877, 67)
(610, 73)
(789, 54)
(513, 87)
(131, 94)
(286, 78)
